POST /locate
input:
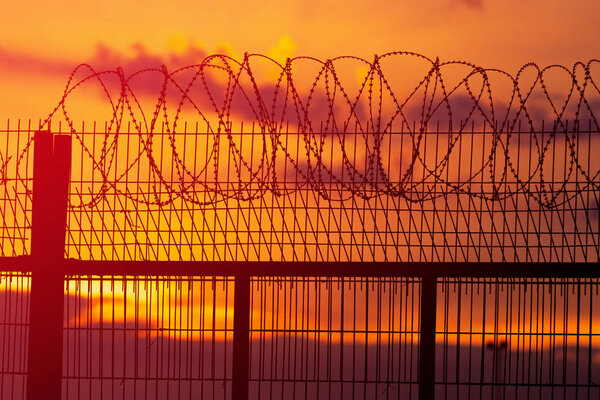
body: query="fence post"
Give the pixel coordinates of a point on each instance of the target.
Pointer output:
(51, 169)
(241, 337)
(427, 337)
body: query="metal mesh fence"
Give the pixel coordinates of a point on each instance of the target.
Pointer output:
(14, 333)
(148, 338)
(479, 179)
(437, 195)
(334, 338)
(406, 195)
(518, 338)
(16, 173)
(476, 195)
(166, 338)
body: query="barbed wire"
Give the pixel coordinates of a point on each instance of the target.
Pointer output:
(328, 110)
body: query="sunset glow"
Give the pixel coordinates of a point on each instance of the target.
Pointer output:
(299, 199)
(184, 310)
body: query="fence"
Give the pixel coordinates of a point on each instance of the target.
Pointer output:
(433, 264)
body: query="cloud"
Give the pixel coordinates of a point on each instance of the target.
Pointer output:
(284, 48)
(104, 58)
(20, 63)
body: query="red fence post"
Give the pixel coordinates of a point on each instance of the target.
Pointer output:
(241, 337)
(427, 336)
(51, 169)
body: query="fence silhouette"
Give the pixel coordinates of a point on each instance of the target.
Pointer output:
(347, 242)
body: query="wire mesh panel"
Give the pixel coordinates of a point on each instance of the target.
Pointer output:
(148, 338)
(476, 194)
(337, 338)
(518, 338)
(16, 171)
(14, 333)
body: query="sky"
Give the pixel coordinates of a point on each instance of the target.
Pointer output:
(43, 41)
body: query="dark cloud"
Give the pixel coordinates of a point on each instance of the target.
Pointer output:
(20, 63)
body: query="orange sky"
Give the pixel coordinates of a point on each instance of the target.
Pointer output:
(42, 41)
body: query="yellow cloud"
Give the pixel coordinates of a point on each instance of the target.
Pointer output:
(178, 43)
(283, 49)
